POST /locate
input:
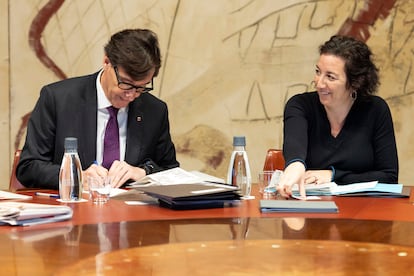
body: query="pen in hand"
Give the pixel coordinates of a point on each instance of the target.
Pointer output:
(47, 195)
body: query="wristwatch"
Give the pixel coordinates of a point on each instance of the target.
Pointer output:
(148, 167)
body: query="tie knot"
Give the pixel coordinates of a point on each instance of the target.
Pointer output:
(113, 111)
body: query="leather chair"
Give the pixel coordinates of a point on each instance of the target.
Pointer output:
(274, 160)
(15, 184)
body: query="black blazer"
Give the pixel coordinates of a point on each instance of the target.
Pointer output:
(69, 108)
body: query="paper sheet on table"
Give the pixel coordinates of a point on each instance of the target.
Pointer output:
(306, 198)
(332, 188)
(175, 176)
(351, 188)
(135, 197)
(379, 190)
(117, 191)
(4, 195)
(315, 189)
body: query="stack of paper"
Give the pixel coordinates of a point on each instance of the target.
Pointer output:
(194, 196)
(372, 188)
(25, 214)
(175, 176)
(316, 189)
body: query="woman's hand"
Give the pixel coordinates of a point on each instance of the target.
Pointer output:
(293, 174)
(318, 176)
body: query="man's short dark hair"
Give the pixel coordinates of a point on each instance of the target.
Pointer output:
(136, 51)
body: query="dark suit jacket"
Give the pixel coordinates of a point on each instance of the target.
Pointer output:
(68, 108)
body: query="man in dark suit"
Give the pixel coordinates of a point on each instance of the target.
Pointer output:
(78, 107)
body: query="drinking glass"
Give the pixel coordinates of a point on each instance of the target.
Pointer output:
(99, 189)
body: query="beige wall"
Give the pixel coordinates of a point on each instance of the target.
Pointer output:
(4, 97)
(228, 66)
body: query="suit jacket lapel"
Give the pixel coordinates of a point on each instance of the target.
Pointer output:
(88, 109)
(134, 132)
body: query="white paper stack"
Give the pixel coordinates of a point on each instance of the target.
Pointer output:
(26, 214)
(176, 176)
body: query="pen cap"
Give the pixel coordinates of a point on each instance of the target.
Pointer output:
(239, 141)
(71, 143)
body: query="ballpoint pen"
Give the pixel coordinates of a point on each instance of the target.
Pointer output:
(47, 195)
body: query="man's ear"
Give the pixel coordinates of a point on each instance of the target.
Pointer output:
(106, 61)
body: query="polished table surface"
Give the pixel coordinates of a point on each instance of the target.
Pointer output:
(369, 236)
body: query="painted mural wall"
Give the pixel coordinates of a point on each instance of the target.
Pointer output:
(228, 66)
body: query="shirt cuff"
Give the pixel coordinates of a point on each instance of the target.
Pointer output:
(148, 168)
(333, 173)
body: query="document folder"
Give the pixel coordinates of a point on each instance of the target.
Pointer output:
(372, 188)
(194, 196)
(297, 206)
(26, 214)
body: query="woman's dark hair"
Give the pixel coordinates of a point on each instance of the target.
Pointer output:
(361, 72)
(136, 51)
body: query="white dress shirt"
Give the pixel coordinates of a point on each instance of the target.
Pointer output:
(103, 117)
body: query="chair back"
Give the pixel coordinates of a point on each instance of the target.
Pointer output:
(274, 160)
(15, 184)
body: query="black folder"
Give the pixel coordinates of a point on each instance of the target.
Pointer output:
(194, 196)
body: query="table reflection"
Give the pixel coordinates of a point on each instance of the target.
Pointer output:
(246, 257)
(50, 248)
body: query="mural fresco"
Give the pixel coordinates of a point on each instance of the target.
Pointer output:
(228, 66)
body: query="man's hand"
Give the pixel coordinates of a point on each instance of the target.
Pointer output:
(120, 172)
(93, 171)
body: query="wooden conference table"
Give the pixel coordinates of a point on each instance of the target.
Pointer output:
(369, 236)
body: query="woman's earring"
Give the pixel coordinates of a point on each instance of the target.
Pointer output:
(354, 95)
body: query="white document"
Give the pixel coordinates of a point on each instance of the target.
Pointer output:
(175, 176)
(206, 177)
(4, 195)
(26, 214)
(117, 191)
(352, 188)
(331, 188)
(323, 187)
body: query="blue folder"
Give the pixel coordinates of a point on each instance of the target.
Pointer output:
(297, 206)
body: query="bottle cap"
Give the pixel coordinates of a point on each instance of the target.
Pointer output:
(239, 141)
(71, 143)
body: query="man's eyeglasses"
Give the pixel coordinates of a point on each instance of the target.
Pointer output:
(128, 86)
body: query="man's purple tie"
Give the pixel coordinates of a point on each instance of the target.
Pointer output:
(111, 139)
